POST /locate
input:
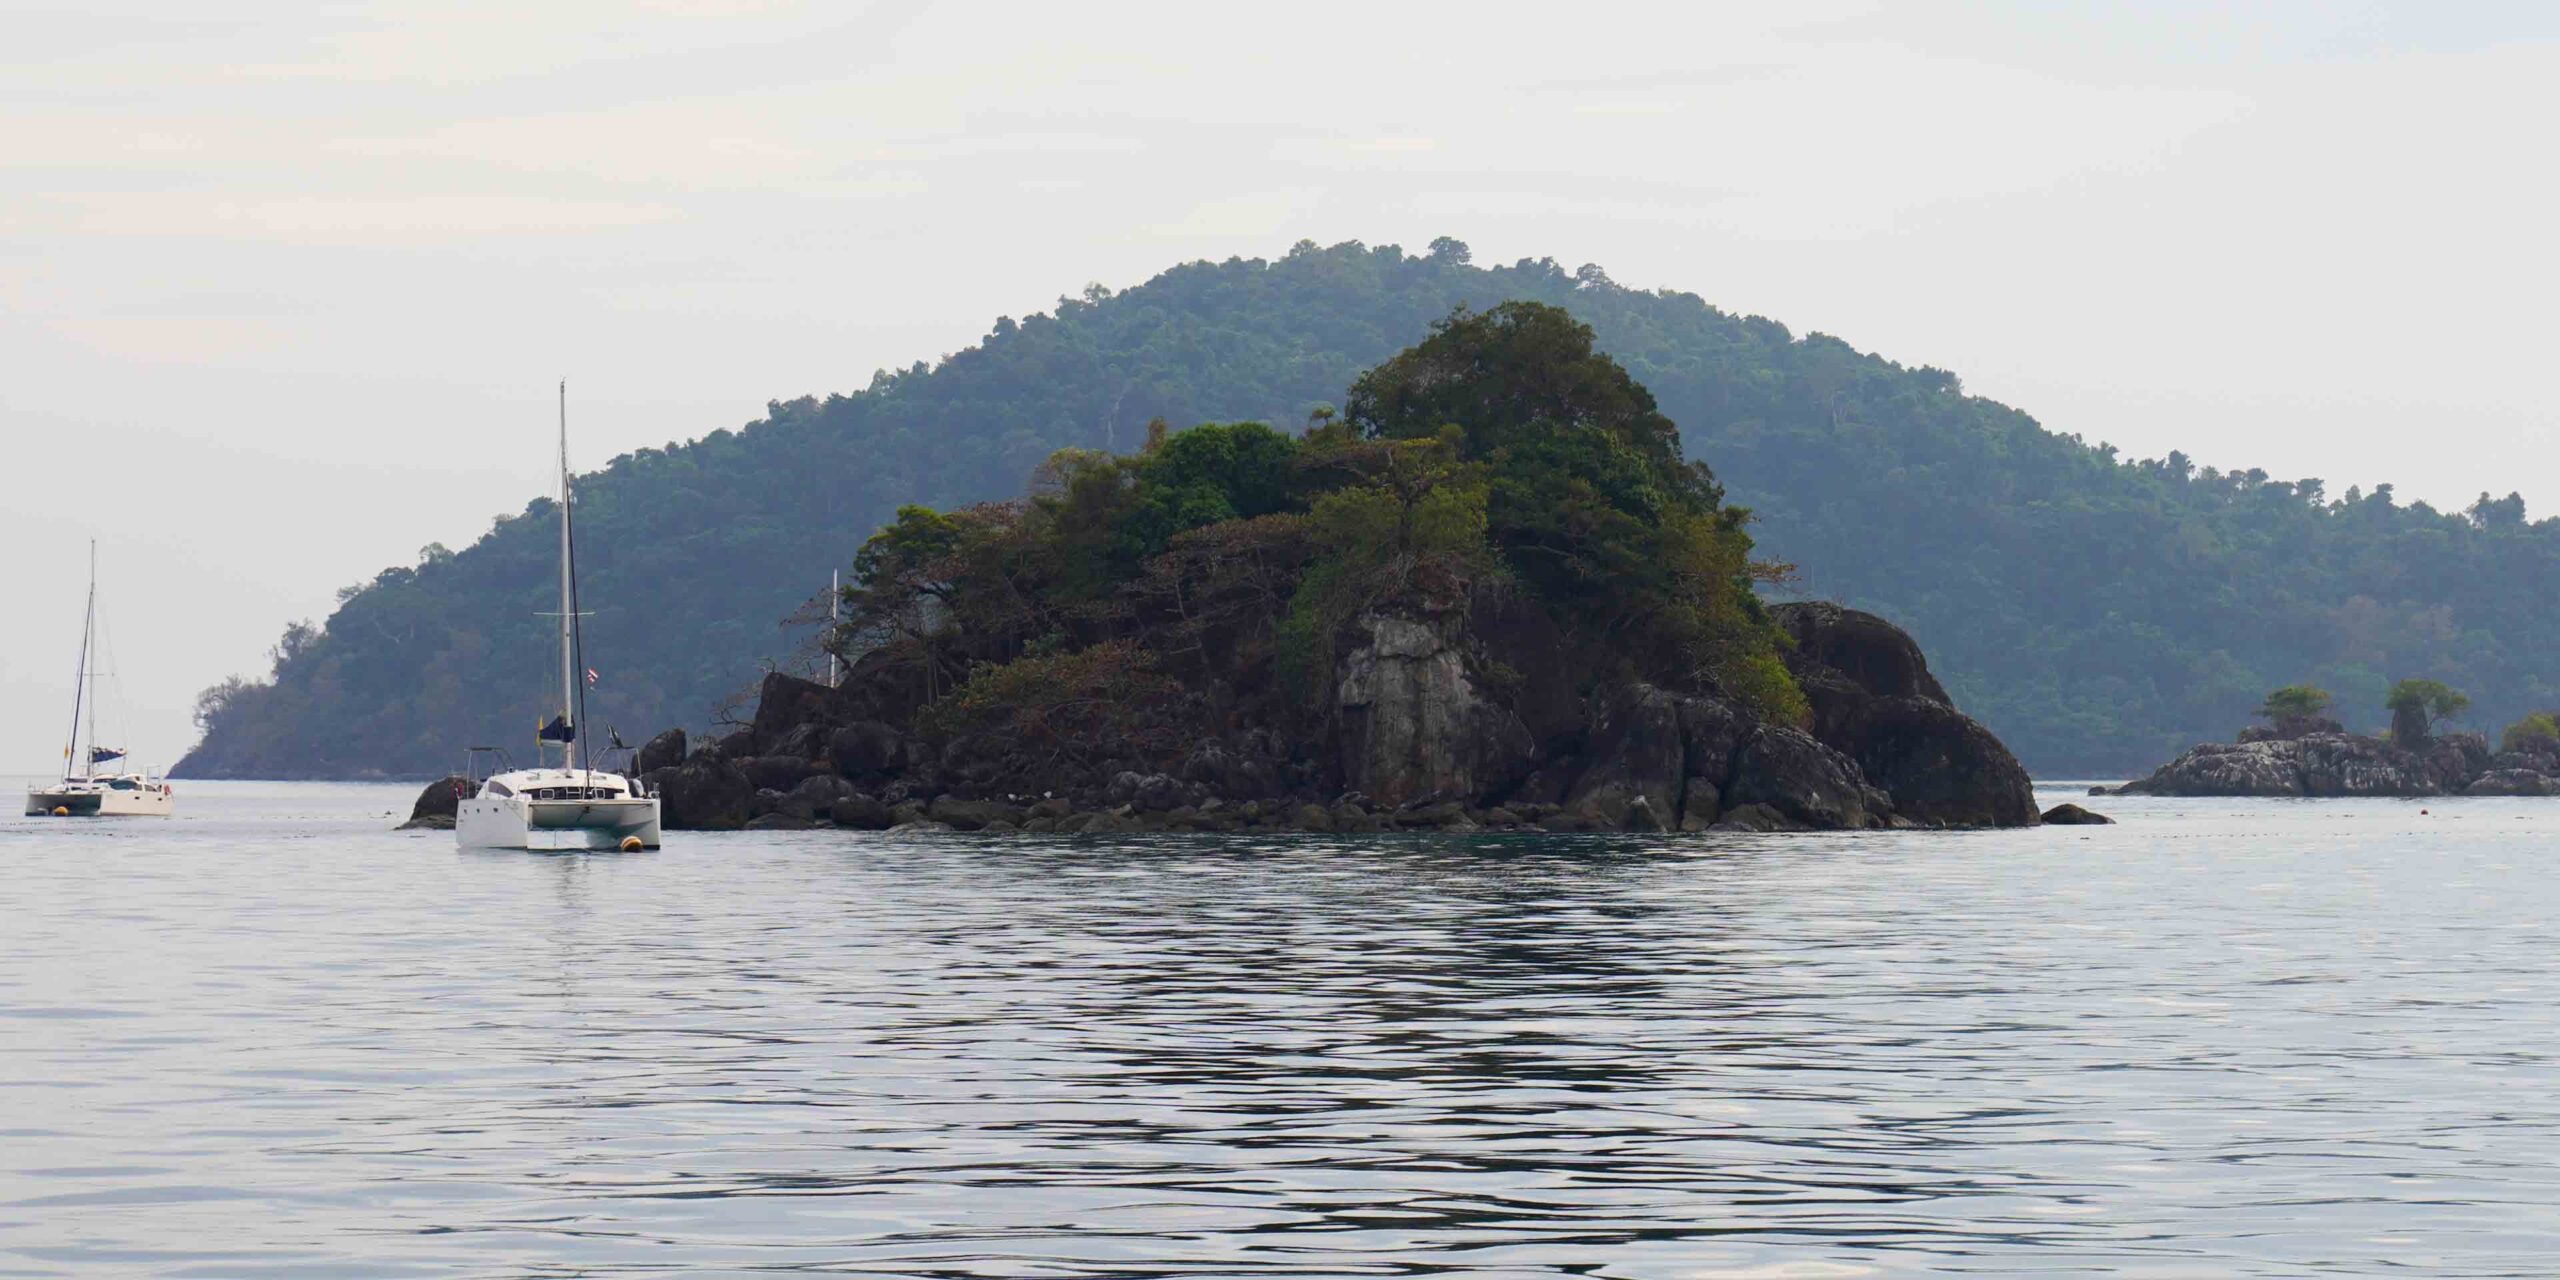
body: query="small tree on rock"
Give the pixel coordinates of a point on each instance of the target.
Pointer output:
(2537, 733)
(2294, 702)
(2417, 704)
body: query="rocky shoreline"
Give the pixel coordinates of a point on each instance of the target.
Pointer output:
(1420, 745)
(2324, 761)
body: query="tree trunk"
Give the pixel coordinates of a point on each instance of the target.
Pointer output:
(2409, 727)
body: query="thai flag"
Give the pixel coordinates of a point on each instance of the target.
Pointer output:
(591, 675)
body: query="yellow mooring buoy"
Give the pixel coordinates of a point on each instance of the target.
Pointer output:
(631, 844)
(61, 811)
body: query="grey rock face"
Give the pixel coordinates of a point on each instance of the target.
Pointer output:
(436, 805)
(2325, 764)
(1867, 651)
(1875, 702)
(1701, 804)
(1755, 817)
(2270, 768)
(1158, 793)
(2512, 782)
(665, 751)
(865, 748)
(785, 703)
(2072, 815)
(1415, 724)
(1637, 752)
(2337, 765)
(776, 773)
(1801, 779)
(705, 793)
(1939, 765)
(859, 812)
(815, 796)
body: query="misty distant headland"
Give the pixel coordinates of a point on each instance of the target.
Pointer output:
(2099, 614)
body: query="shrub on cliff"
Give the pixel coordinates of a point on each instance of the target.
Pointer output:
(2294, 702)
(1588, 500)
(1233, 559)
(2537, 733)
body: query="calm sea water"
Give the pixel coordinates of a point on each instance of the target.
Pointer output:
(272, 1038)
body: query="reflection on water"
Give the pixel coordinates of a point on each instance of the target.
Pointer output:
(271, 1038)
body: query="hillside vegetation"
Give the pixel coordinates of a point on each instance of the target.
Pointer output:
(2099, 614)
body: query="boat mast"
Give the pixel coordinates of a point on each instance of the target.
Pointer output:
(568, 601)
(80, 686)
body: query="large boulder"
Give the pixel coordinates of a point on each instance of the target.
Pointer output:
(437, 804)
(1636, 753)
(784, 703)
(972, 815)
(1940, 767)
(2347, 765)
(2072, 815)
(859, 812)
(2512, 782)
(1874, 701)
(1869, 652)
(2269, 768)
(2454, 759)
(1413, 721)
(665, 751)
(705, 793)
(1646, 744)
(800, 741)
(775, 773)
(866, 748)
(1799, 778)
(815, 796)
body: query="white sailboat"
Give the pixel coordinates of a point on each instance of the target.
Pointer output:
(573, 806)
(83, 791)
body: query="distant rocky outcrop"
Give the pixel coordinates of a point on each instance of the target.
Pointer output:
(436, 805)
(2072, 815)
(2324, 763)
(1423, 736)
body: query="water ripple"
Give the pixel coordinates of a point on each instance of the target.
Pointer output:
(270, 1038)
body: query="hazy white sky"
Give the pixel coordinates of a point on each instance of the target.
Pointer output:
(284, 288)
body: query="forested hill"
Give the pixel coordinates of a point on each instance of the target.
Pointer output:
(2099, 614)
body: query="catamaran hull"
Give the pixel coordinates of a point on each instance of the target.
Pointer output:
(83, 803)
(514, 822)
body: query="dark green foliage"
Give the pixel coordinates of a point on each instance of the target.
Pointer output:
(1208, 474)
(1588, 498)
(1238, 559)
(2294, 702)
(2416, 705)
(2537, 731)
(1525, 376)
(2099, 614)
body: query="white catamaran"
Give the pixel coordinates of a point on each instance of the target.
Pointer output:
(83, 791)
(574, 806)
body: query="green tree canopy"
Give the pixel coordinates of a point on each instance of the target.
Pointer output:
(2537, 731)
(2416, 705)
(2294, 702)
(2098, 612)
